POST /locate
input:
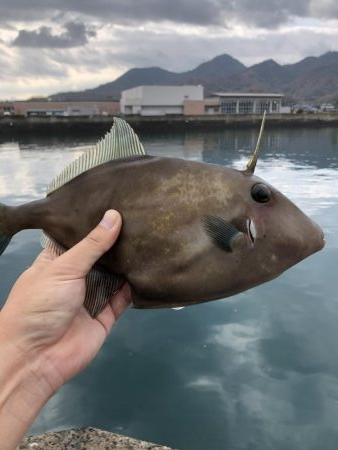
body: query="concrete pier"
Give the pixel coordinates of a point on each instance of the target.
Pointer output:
(86, 439)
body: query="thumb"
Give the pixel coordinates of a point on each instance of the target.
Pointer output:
(84, 255)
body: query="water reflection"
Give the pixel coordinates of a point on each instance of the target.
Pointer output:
(257, 371)
(25, 172)
(307, 147)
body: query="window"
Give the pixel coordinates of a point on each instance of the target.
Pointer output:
(228, 107)
(246, 107)
(274, 106)
(262, 106)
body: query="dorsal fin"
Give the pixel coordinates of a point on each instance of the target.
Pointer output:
(120, 142)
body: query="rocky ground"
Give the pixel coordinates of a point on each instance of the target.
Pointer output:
(85, 439)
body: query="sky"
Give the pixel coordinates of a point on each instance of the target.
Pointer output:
(50, 46)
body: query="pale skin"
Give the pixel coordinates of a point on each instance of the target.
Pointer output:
(46, 335)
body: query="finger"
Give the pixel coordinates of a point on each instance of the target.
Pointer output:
(45, 257)
(84, 255)
(118, 304)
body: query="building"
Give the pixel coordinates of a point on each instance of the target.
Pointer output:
(208, 106)
(64, 109)
(235, 103)
(6, 108)
(327, 107)
(249, 103)
(158, 100)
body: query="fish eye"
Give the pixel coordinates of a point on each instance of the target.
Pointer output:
(260, 193)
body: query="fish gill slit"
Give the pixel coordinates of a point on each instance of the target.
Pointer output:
(248, 226)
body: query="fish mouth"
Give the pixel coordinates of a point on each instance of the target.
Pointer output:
(251, 230)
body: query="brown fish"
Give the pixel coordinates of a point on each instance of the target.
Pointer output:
(192, 232)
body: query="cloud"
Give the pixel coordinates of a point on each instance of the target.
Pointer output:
(324, 8)
(116, 11)
(27, 72)
(183, 49)
(76, 35)
(262, 13)
(55, 49)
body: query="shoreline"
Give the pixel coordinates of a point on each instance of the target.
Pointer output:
(13, 126)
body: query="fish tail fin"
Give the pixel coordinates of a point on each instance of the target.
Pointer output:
(4, 236)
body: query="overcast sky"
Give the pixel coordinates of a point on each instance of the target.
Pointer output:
(49, 46)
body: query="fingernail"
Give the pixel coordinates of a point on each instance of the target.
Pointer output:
(109, 219)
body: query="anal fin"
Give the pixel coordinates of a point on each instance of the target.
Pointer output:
(100, 288)
(100, 285)
(52, 245)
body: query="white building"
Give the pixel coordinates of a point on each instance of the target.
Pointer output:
(158, 100)
(249, 103)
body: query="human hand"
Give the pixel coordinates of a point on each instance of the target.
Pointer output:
(45, 333)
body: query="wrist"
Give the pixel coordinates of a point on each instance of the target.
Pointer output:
(25, 386)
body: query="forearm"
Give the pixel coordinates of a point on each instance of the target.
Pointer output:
(24, 390)
(46, 335)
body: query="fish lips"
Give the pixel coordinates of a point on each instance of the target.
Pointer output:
(252, 232)
(321, 240)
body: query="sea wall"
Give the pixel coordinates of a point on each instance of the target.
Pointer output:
(233, 121)
(86, 439)
(13, 126)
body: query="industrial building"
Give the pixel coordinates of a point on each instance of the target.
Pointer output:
(158, 100)
(185, 100)
(59, 109)
(189, 101)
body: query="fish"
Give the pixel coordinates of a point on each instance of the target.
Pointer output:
(192, 231)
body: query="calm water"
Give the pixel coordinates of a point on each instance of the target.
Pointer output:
(257, 371)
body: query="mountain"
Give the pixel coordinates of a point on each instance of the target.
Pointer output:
(112, 90)
(316, 78)
(202, 74)
(223, 64)
(313, 79)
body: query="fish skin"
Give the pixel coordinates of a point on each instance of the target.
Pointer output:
(163, 250)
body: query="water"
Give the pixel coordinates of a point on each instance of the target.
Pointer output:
(257, 371)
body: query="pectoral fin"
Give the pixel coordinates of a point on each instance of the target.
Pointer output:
(223, 234)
